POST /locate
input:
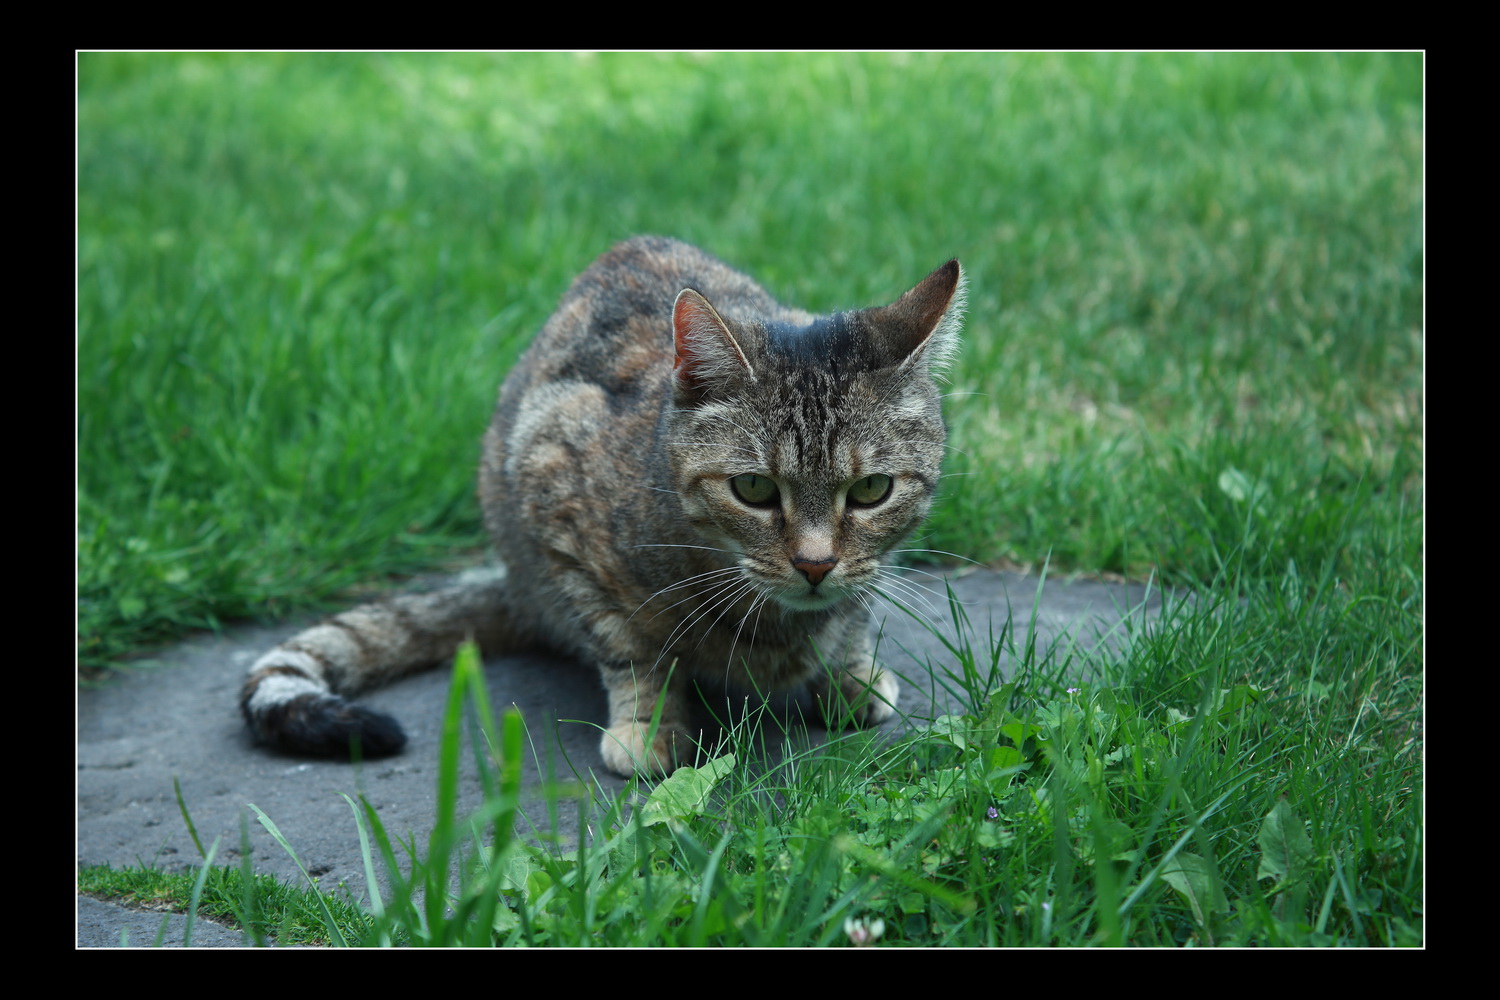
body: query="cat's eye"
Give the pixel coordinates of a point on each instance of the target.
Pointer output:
(757, 491)
(870, 490)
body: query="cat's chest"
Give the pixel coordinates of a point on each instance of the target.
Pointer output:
(747, 658)
(746, 641)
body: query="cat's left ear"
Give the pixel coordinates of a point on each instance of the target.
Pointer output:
(707, 352)
(921, 327)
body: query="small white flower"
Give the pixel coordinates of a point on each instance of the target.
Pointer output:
(864, 932)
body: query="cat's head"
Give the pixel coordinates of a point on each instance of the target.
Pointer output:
(809, 452)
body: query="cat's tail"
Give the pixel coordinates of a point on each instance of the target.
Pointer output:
(295, 697)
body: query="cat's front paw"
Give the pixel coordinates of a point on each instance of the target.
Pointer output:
(625, 751)
(866, 696)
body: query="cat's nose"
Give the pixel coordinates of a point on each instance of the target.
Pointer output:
(814, 569)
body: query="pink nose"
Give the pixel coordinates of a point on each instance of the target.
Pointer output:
(814, 569)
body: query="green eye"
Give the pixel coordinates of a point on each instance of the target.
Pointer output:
(870, 490)
(758, 491)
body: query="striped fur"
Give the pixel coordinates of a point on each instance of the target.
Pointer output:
(683, 477)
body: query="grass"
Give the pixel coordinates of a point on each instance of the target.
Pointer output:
(286, 913)
(1153, 807)
(1194, 352)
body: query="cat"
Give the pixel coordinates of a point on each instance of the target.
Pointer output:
(683, 477)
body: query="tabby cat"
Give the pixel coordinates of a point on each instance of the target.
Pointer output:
(682, 477)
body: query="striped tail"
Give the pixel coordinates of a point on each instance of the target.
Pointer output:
(295, 698)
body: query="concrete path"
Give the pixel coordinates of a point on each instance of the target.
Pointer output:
(179, 718)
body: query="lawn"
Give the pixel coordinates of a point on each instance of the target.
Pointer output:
(1194, 354)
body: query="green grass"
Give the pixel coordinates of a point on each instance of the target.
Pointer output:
(301, 279)
(1194, 352)
(286, 913)
(1154, 807)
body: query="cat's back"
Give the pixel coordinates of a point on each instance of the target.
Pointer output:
(614, 325)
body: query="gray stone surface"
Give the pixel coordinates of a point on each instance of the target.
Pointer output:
(105, 925)
(178, 718)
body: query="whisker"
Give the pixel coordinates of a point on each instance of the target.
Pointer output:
(929, 617)
(905, 593)
(756, 605)
(749, 588)
(724, 596)
(896, 570)
(690, 581)
(940, 552)
(693, 581)
(911, 589)
(932, 594)
(862, 596)
(938, 580)
(706, 574)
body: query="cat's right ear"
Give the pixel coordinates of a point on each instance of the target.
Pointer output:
(707, 353)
